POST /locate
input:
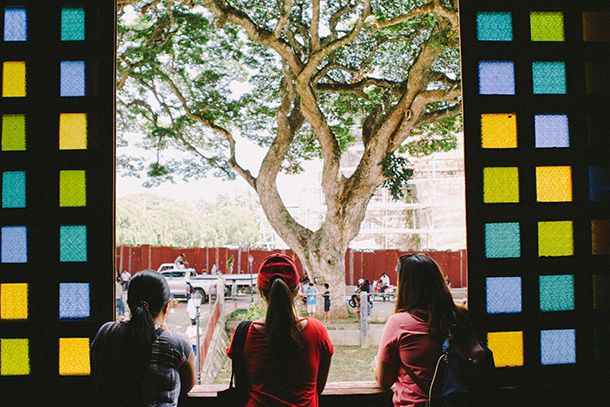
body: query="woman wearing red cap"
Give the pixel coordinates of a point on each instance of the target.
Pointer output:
(287, 359)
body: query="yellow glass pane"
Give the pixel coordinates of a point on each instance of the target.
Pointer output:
(555, 239)
(601, 291)
(507, 348)
(13, 79)
(14, 357)
(499, 130)
(72, 188)
(554, 184)
(13, 132)
(74, 358)
(600, 237)
(501, 185)
(72, 131)
(14, 301)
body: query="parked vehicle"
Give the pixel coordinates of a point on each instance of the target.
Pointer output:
(388, 294)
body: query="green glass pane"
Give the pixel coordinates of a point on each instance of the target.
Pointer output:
(72, 188)
(13, 189)
(555, 239)
(501, 185)
(14, 357)
(547, 26)
(556, 293)
(13, 132)
(72, 24)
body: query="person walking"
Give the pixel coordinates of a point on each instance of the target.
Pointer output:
(159, 363)
(287, 359)
(326, 296)
(310, 294)
(425, 315)
(120, 305)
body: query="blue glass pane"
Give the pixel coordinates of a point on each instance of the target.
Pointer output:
(503, 295)
(496, 78)
(552, 131)
(599, 183)
(558, 347)
(72, 78)
(556, 293)
(74, 301)
(502, 240)
(13, 189)
(14, 244)
(73, 243)
(549, 77)
(15, 24)
(494, 26)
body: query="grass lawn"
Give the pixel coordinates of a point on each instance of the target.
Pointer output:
(349, 364)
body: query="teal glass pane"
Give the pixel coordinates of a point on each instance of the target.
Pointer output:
(558, 346)
(72, 24)
(503, 295)
(556, 293)
(502, 240)
(13, 240)
(72, 243)
(496, 78)
(72, 78)
(15, 24)
(549, 77)
(13, 189)
(494, 26)
(74, 301)
(552, 131)
(599, 183)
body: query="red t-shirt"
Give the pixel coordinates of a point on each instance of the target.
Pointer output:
(406, 341)
(277, 383)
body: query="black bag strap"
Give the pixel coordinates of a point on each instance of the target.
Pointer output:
(239, 343)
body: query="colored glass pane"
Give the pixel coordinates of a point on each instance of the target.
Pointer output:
(72, 24)
(13, 79)
(596, 77)
(14, 356)
(600, 237)
(552, 131)
(15, 24)
(14, 244)
(601, 291)
(74, 301)
(494, 26)
(595, 26)
(72, 188)
(74, 357)
(556, 293)
(549, 77)
(72, 243)
(13, 132)
(72, 131)
(507, 348)
(72, 78)
(14, 301)
(599, 183)
(558, 346)
(499, 130)
(496, 78)
(13, 189)
(501, 185)
(503, 295)
(502, 240)
(546, 26)
(555, 238)
(598, 134)
(554, 184)
(601, 337)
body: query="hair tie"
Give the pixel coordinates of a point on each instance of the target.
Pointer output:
(144, 303)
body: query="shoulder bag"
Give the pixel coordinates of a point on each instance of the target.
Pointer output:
(237, 395)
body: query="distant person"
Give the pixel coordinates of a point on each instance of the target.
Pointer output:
(191, 310)
(384, 280)
(159, 363)
(287, 359)
(447, 281)
(234, 294)
(125, 277)
(412, 337)
(310, 293)
(120, 305)
(191, 333)
(326, 296)
(181, 262)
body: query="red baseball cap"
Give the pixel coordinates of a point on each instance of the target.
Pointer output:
(278, 265)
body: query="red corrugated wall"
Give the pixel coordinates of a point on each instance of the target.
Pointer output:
(358, 264)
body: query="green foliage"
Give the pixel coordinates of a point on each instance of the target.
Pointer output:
(397, 172)
(256, 311)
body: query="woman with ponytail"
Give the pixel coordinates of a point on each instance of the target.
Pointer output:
(286, 358)
(159, 364)
(412, 338)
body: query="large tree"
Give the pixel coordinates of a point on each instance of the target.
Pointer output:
(318, 75)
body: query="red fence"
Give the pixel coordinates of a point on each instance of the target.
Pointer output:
(358, 264)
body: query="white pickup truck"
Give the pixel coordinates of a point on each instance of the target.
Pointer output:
(205, 283)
